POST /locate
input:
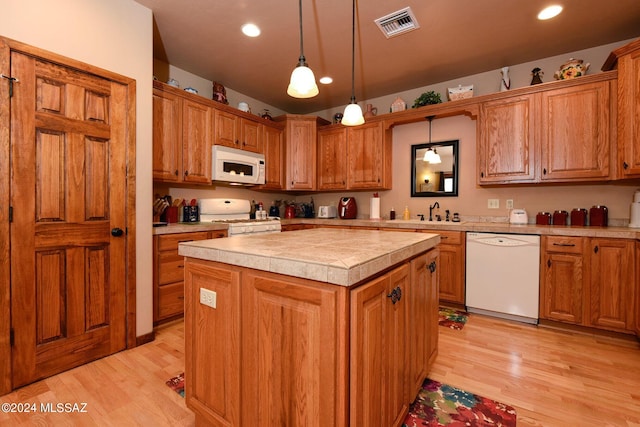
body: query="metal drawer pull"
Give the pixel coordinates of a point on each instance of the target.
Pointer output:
(395, 295)
(564, 244)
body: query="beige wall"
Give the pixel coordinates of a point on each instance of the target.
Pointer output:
(115, 35)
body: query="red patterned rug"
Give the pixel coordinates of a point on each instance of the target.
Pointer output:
(440, 404)
(450, 318)
(177, 384)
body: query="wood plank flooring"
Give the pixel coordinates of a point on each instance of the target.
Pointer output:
(552, 378)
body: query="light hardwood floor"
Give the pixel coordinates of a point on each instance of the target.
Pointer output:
(552, 378)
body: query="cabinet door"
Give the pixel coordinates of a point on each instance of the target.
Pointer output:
(366, 154)
(562, 287)
(226, 129)
(250, 136)
(452, 261)
(575, 128)
(612, 284)
(332, 159)
(273, 148)
(629, 112)
(295, 373)
(433, 305)
(397, 364)
(506, 144)
(196, 142)
(212, 342)
(301, 154)
(167, 137)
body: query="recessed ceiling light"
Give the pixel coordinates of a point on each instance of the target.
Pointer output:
(550, 12)
(251, 30)
(326, 80)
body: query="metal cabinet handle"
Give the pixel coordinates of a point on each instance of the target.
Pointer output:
(395, 295)
(625, 165)
(596, 249)
(431, 266)
(564, 244)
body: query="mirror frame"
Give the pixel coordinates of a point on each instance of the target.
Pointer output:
(456, 166)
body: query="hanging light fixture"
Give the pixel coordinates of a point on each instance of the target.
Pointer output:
(431, 155)
(353, 113)
(303, 82)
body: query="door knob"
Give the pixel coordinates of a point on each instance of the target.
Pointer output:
(117, 232)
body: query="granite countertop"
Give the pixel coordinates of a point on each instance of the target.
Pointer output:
(342, 257)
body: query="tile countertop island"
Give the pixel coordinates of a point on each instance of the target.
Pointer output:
(319, 327)
(337, 256)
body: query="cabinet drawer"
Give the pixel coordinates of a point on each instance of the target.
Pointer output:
(170, 300)
(447, 237)
(170, 241)
(170, 268)
(564, 244)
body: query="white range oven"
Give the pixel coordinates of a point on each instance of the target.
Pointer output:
(237, 214)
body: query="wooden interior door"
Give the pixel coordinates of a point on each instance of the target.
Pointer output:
(68, 194)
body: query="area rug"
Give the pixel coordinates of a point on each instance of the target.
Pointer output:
(177, 384)
(440, 404)
(450, 318)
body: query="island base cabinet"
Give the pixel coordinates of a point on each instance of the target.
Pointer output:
(294, 370)
(277, 350)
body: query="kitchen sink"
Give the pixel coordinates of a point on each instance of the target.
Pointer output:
(427, 222)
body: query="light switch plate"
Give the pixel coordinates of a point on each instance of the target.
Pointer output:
(509, 204)
(493, 203)
(208, 298)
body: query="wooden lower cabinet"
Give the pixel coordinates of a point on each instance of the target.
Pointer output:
(279, 350)
(168, 272)
(588, 282)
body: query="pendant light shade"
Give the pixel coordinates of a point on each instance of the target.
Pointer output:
(303, 82)
(353, 113)
(431, 155)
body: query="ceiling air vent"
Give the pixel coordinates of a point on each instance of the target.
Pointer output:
(397, 23)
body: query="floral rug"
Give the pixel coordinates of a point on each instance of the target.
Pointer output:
(440, 404)
(177, 384)
(450, 318)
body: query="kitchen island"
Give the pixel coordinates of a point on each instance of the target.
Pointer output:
(319, 327)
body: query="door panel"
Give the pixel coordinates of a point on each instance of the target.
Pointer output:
(68, 178)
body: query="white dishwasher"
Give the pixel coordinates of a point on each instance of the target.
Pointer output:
(503, 275)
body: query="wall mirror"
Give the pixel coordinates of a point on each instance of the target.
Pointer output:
(434, 169)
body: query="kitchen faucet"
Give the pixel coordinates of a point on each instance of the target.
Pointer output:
(431, 208)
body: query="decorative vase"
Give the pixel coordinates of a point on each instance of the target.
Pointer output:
(571, 69)
(371, 111)
(505, 83)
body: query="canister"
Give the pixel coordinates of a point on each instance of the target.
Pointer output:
(560, 217)
(579, 216)
(598, 216)
(543, 218)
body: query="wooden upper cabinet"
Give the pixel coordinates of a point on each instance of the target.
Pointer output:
(506, 143)
(369, 154)
(167, 132)
(197, 120)
(300, 136)
(273, 148)
(332, 159)
(234, 131)
(627, 60)
(575, 132)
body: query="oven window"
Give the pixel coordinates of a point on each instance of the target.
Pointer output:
(237, 168)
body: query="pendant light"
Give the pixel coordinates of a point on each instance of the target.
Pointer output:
(303, 82)
(431, 154)
(353, 113)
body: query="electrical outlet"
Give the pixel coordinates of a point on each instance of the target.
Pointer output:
(493, 203)
(509, 204)
(208, 297)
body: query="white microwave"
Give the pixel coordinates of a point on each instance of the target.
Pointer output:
(235, 166)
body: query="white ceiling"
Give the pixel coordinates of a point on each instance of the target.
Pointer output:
(456, 38)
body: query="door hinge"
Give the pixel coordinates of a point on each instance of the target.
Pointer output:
(10, 213)
(11, 80)
(12, 337)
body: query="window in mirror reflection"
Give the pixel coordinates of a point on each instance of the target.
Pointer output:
(434, 169)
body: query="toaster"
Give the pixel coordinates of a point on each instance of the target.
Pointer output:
(518, 216)
(327, 212)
